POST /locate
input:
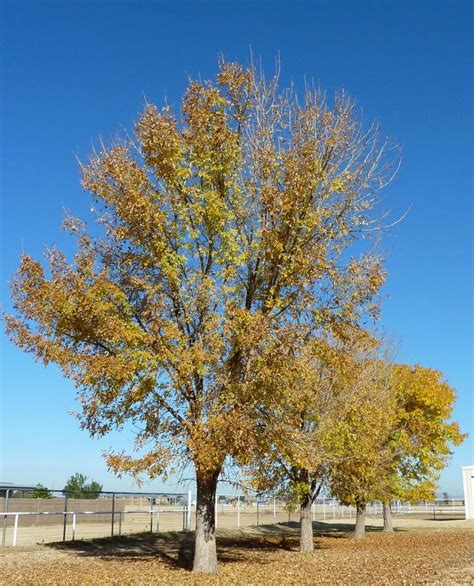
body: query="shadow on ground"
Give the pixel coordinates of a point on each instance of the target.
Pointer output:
(437, 519)
(176, 549)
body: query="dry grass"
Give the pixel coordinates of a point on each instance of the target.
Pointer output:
(267, 556)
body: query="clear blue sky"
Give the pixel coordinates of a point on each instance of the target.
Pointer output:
(72, 71)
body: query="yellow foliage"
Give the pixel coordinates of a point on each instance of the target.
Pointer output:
(223, 247)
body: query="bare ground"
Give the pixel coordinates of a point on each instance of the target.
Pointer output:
(419, 552)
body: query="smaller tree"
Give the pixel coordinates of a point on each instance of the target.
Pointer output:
(326, 384)
(398, 447)
(421, 435)
(360, 475)
(40, 492)
(78, 488)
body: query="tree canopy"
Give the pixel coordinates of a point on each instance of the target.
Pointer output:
(421, 434)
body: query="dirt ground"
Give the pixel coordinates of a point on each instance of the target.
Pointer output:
(419, 552)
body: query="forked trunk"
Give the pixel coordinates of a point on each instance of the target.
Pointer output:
(205, 553)
(306, 526)
(359, 532)
(387, 518)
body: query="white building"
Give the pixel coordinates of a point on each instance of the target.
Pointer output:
(468, 482)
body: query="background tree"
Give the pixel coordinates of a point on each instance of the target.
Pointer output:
(304, 436)
(222, 229)
(40, 492)
(77, 487)
(420, 437)
(360, 475)
(398, 447)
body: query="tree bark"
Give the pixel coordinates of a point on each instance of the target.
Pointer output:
(306, 526)
(387, 518)
(205, 553)
(359, 532)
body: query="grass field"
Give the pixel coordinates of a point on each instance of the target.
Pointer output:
(438, 553)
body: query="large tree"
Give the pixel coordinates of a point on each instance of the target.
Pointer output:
(222, 228)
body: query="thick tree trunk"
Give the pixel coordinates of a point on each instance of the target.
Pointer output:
(387, 518)
(205, 553)
(359, 532)
(306, 526)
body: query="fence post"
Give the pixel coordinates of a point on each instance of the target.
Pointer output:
(15, 529)
(188, 522)
(5, 517)
(258, 510)
(73, 526)
(113, 515)
(65, 517)
(158, 515)
(274, 510)
(120, 522)
(238, 511)
(185, 514)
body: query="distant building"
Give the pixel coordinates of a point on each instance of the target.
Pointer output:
(4, 486)
(468, 483)
(13, 490)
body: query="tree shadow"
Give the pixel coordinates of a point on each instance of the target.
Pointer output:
(176, 549)
(459, 518)
(173, 548)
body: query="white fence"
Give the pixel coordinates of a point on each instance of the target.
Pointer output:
(28, 521)
(119, 515)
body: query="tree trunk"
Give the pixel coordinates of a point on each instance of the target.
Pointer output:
(359, 532)
(387, 518)
(306, 526)
(205, 553)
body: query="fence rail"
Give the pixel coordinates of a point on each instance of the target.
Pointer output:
(119, 514)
